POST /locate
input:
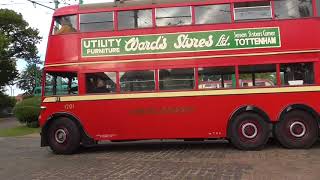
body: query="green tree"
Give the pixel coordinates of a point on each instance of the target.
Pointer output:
(17, 41)
(7, 67)
(30, 78)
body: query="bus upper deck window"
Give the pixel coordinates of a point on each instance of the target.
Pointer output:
(288, 9)
(212, 14)
(173, 16)
(135, 19)
(65, 24)
(244, 11)
(93, 22)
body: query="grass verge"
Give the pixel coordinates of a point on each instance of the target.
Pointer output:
(18, 131)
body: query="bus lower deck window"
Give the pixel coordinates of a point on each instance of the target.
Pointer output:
(61, 83)
(176, 79)
(257, 75)
(135, 81)
(216, 77)
(102, 82)
(295, 74)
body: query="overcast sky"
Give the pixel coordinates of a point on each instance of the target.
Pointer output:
(37, 17)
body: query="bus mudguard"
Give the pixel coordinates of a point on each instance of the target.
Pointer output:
(85, 138)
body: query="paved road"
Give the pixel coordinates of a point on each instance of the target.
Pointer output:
(8, 122)
(22, 158)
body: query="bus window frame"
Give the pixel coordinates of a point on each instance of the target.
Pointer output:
(314, 8)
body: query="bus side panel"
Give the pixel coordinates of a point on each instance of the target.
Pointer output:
(183, 117)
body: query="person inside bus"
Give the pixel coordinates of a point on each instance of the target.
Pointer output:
(66, 25)
(101, 86)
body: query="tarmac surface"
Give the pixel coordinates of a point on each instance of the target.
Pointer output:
(8, 123)
(22, 158)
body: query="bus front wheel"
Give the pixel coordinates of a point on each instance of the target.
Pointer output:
(249, 131)
(63, 136)
(298, 129)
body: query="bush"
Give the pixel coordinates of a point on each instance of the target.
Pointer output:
(6, 105)
(28, 110)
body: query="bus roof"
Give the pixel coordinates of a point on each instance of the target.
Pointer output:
(128, 3)
(66, 10)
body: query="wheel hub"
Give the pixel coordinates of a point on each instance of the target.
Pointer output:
(297, 129)
(249, 130)
(60, 136)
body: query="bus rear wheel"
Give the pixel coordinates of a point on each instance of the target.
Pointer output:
(249, 131)
(63, 136)
(297, 130)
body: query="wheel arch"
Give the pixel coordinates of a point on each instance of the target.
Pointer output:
(244, 109)
(301, 107)
(85, 138)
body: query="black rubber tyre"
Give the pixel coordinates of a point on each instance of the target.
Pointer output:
(63, 136)
(248, 131)
(297, 130)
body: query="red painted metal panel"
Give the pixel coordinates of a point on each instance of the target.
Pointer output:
(184, 117)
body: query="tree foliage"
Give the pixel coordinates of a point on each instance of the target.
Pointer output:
(7, 68)
(6, 103)
(17, 41)
(30, 78)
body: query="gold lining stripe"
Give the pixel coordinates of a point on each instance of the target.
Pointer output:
(183, 58)
(183, 94)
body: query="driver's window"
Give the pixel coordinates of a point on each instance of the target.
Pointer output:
(61, 83)
(65, 24)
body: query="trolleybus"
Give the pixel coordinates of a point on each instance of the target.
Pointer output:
(241, 70)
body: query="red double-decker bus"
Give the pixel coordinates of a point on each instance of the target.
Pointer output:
(241, 70)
